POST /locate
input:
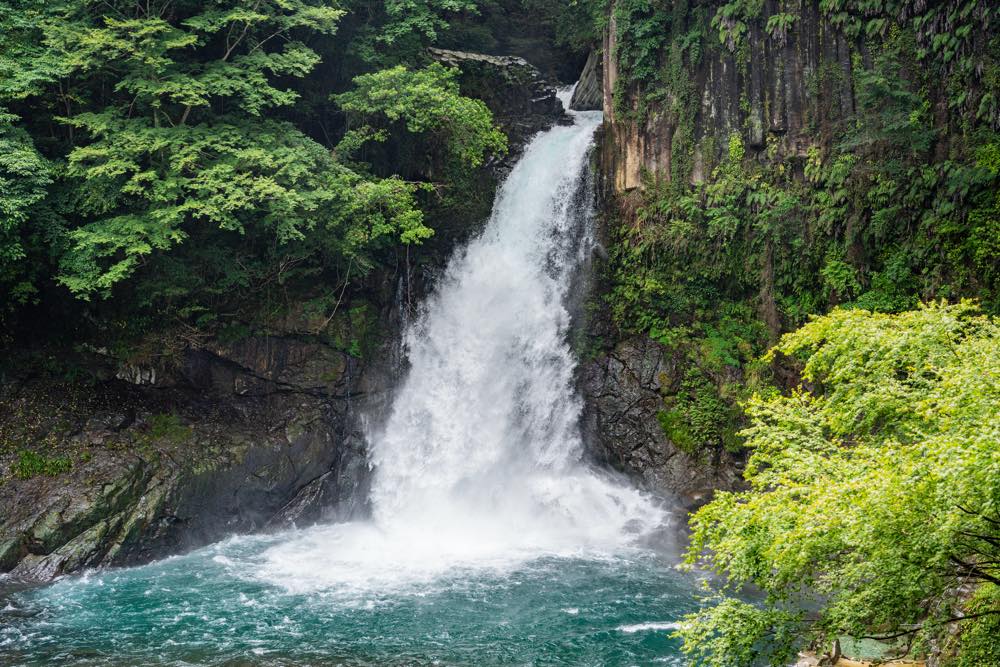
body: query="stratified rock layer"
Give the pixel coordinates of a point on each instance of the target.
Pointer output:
(254, 435)
(588, 94)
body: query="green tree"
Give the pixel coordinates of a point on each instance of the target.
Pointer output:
(428, 104)
(874, 494)
(24, 179)
(398, 31)
(157, 151)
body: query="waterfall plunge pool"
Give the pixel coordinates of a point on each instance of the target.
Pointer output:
(491, 541)
(217, 606)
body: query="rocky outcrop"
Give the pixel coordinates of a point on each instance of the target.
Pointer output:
(779, 91)
(522, 101)
(623, 393)
(588, 94)
(258, 434)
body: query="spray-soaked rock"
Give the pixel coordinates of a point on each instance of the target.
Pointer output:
(622, 394)
(588, 94)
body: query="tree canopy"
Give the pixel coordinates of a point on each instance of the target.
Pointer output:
(167, 152)
(874, 499)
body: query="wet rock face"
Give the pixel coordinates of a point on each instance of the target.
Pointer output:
(588, 94)
(778, 94)
(622, 396)
(261, 434)
(55, 525)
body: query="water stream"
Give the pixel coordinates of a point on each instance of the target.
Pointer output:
(491, 541)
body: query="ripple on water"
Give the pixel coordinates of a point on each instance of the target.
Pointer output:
(550, 611)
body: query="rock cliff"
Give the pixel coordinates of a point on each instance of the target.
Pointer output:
(767, 161)
(589, 94)
(256, 434)
(778, 90)
(623, 390)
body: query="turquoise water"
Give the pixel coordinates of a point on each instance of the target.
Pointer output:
(491, 542)
(211, 607)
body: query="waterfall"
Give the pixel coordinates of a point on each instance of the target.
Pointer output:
(491, 541)
(478, 463)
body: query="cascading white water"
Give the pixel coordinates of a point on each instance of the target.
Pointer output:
(478, 463)
(490, 543)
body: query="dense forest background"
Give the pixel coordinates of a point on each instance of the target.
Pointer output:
(204, 167)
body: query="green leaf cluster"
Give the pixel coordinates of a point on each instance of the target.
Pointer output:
(30, 464)
(24, 179)
(427, 103)
(874, 494)
(173, 159)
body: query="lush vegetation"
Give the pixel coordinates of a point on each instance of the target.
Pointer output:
(31, 464)
(738, 242)
(203, 167)
(871, 432)
(874, 500)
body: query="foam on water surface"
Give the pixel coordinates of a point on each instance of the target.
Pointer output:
(490, 542)
(478, 462)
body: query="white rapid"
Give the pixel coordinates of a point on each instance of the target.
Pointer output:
(479, 461)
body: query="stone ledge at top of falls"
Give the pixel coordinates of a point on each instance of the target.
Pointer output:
(589, 93)
(521, 99)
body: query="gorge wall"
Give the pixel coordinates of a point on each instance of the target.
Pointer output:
(781, 91)
(242, 436)
(763, 161)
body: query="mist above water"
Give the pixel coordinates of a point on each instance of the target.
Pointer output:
(491, 542)
(478, 463)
